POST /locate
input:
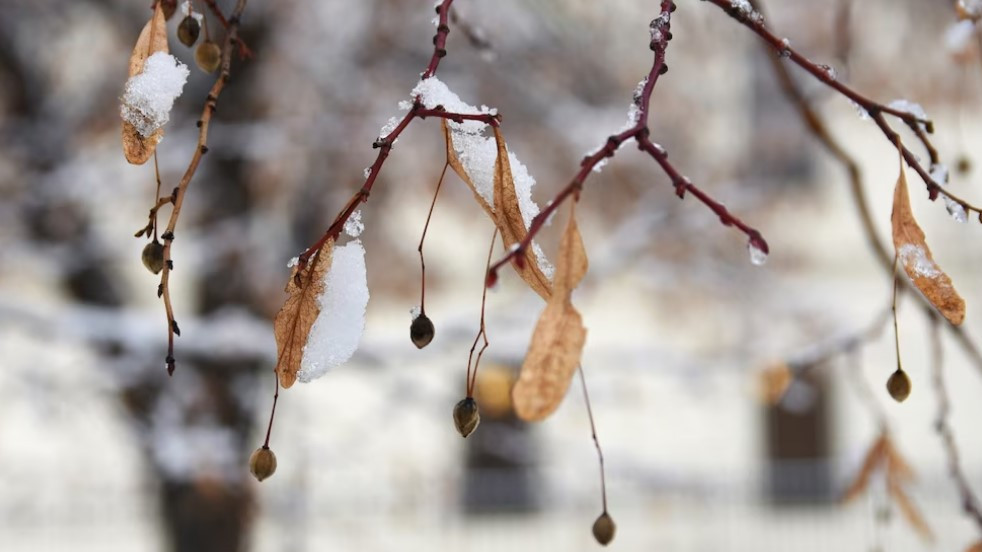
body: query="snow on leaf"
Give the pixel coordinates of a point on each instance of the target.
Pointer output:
(458, 167)
(337, 331)
(511, 221)
(914, 254)
(293, 323)
(152, 39)
(150, 95)
(558, 339)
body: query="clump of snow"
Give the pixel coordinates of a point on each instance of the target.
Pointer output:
(785, 48)
(354, 226)
(293, 262)
(863, 114)
(757, 255)
(335, 334)
(971, 8)
(914, 256)
(149, 96)
(415, 312)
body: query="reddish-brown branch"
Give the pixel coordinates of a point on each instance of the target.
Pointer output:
(922, 127)
(244, 51)
(384, 143)
(660, 36)
(178, 195)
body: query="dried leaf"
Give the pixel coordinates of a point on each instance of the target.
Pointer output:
(913, 252)
(458, 168)
(897, 467)
(511, 224)
(557, 342)
(909, 510)
(153, 39)
(977, 547)
(292, 324)
(505, 213)
(874, 457)
(774, 381)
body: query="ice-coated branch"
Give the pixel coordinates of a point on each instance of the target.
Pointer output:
(743, 12)
(660, 36)
(177, 197)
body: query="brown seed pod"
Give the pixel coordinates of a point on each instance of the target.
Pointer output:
(604, 529)
(421, 331)
(188, 31)
(899, 385)
(466, 416)
(208, 56)
(153, 256)
(262, 464)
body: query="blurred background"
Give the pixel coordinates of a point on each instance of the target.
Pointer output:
(100, 450)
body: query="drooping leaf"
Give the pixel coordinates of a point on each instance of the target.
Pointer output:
(503, 208)
(292, 324)
(152, 39)
(913, 252)
(511, 224)
(557, 342)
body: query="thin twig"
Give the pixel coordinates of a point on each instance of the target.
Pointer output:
(482, 332)
(970, 503)
(596, 441)
(753, 20)
(178, 196)
(426, 226)
(244, 51)
(660, 36)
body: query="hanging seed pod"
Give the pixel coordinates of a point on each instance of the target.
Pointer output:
(262, 463)
(421, 331)
(188, 31)
(604, 529)
(153, 256)
(208, 56)
(466, 416)
(899, 385)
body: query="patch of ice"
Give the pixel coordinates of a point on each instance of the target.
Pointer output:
(915, 257)
(354, 226)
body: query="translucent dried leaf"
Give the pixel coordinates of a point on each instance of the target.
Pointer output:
(152, 39)
(292, 324)
(914, 254)
(557, 342)
(874, 457)
(511, 224)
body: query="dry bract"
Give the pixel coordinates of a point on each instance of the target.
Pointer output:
(153, 39)
(292, 324)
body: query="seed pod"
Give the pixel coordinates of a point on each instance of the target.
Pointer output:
(466, 416)
(262, 464)
(208, 56)
(899, 385)
(604, 529)
(188, 31)
(153, 256)
(421, 331)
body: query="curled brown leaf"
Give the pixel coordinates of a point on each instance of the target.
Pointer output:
(914, 254)
(152, 39)
(558, 339)
(292, 324)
